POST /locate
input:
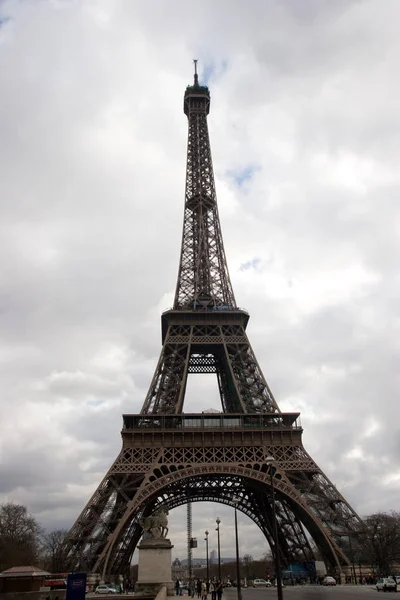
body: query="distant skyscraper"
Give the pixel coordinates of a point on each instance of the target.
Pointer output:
(213, 557)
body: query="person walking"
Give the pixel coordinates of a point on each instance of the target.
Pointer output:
(220, 590)
(198, 588)
(213, 589)
(203, 590)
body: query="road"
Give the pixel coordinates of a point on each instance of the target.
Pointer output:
(297, 592)
(307, 592)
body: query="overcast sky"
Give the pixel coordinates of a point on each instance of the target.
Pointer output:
(304, 128)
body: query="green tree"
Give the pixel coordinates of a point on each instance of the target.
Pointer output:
(19, 536)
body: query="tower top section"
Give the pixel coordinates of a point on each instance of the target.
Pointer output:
(203, 279)
(197, 97)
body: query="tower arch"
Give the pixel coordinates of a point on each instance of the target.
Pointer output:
(224, 484)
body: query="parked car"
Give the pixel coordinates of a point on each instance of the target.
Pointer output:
(387, 584)
(261, 583)
(105, 589)
(329, 580)
(397, 579)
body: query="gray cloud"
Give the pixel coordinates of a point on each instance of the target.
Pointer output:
(92, 148)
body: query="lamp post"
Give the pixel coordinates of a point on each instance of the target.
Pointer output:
(377, 546)
(218, 521)
(208, 569)
(270, 461)
(238, 581)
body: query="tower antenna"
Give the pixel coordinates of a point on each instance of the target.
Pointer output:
(196, 77)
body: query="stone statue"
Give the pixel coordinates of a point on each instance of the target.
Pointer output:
(156, 525)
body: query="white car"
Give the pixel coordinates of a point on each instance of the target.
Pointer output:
(105, 589)
(329, 580)
(386, 584)
(261, 583)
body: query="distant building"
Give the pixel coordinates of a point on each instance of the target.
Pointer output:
(213, 557)
(196, 562)
(227, 560)
(202, 562)
(22, 579)
(179, 570)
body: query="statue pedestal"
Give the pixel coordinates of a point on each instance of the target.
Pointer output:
(155, 567)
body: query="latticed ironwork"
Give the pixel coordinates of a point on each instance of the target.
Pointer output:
(203, 279)
(220, 346)
(169, 458)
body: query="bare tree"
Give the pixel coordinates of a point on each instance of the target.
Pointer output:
(19, 536)
(52, 549)
(381, 545)
(247, 561)
(265, 566)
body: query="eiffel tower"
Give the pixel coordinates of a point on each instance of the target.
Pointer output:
(168, 457)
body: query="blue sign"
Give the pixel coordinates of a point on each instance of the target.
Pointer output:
(76, 586)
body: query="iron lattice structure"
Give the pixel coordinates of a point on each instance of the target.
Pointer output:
(169, 458)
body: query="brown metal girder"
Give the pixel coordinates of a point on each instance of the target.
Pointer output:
(203, 267)
(247, 501)
(96, 506)
(204, 277)
(327, 496)
(221, 318)
(178, 497)
(152, 489)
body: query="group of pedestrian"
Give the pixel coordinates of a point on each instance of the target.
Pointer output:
(216, 588)
(201, 588)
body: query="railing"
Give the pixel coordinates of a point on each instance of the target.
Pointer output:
(212, 421)
(206, 309)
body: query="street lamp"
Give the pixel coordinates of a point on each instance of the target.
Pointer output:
(218, 521)
(208, 571)
(238, 581)
(270, 461)
(377, 546)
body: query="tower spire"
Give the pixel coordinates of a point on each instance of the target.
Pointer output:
(196, 77)
(203, 278)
